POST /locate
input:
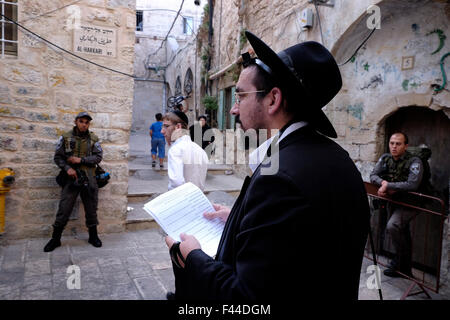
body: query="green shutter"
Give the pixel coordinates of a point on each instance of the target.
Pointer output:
(232, 118)
(220, 112)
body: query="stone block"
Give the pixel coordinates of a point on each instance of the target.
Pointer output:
(42, 182)
(40, 117)
(44, 157)
(99, 84)
(57, 79)
(115, 153)
(360, 135)
(40, 170)
(51, 132)
(5, 96)
(414, 99)
(52, 58)
(22, 73)
(96, 3)
(64, 100)
(39, 144)
(119, 172)
(117, 278)
(37, 282)
(110, 265)
(120, 84)
(124, 292)
(40, 294)
(101, 120)
(120, 121)
(37, 267)
(17, 127)
(12, 112)
(150, 289)
(8, 143)
(131, 21)
(353, 150)
(112, 206)
(35, 92)
(40, 206)
(31, 41)
(130, 4)
(365, 167)
(114, 226)
(368, 152)
(119, 188)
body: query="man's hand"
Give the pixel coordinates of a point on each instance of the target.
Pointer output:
(72, 173)
(383, 191)
(222, 212)
(74, 160)
(188, 243)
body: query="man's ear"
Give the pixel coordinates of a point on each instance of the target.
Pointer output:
(275, 100)
(178, 126)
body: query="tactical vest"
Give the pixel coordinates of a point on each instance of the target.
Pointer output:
(397, 170)
(80, 147)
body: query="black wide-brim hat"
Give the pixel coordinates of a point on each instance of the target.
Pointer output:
(309, 74)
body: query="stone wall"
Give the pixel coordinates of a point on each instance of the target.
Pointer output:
(42, 89)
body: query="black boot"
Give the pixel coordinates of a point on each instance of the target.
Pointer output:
(55, 241)
(93, 237)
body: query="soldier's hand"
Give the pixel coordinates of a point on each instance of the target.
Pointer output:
(74, 160)
(72, 173)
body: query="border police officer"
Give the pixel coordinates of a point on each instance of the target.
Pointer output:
(395, 172)
(77, 154)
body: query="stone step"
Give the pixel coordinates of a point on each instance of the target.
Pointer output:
(146, 183)
(212, 168)
(139, 219)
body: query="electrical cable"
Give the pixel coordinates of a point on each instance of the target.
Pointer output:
(356, 51)
(64, 50)
(320, 24)
(165, 39)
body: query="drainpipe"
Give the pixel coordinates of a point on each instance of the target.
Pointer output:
(210, 33)
(164, 94)
(241, 12)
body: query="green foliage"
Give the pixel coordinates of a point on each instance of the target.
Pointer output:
(210, 102)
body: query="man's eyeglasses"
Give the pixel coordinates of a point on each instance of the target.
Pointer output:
(238, 93)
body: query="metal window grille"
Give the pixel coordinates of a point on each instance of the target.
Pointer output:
(8, 33)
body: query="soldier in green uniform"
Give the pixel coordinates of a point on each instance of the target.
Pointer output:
(77, 153)
(397, 172)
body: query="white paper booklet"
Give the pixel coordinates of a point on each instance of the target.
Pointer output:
(181, 210)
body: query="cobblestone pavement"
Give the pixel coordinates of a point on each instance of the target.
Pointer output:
(133, 265)
(129, 266)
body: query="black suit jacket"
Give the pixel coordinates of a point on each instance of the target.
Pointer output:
(299, 233)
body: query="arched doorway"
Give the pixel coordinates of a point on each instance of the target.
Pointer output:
(431, 128)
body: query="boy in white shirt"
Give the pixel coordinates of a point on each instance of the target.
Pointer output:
(187, 162)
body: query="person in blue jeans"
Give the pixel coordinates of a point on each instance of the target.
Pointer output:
(158, 142)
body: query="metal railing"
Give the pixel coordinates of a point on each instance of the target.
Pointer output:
(435, 207)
